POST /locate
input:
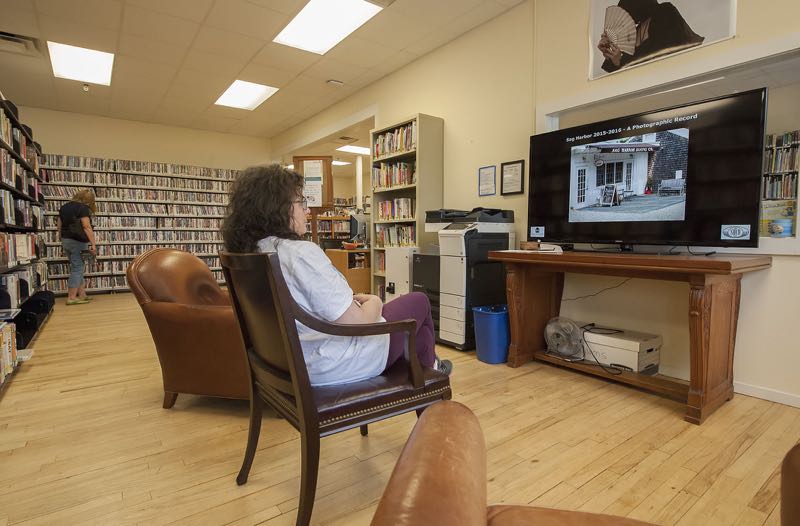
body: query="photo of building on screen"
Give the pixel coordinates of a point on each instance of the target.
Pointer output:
(638, 178)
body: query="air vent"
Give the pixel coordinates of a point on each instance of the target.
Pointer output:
(346, 138)
(19, 45)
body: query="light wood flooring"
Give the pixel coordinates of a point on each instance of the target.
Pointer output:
(84, 440)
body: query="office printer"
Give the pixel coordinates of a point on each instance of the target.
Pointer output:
(466, 276)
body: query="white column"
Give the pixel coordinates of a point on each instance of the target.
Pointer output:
(359, 181)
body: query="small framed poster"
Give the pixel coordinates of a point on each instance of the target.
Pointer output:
(512, 177)
(487, 180)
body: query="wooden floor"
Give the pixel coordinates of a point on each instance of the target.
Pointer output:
(84, 440)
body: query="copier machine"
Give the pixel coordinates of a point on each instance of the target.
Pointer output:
(466, 276)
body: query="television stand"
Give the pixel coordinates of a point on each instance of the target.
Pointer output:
(535, 283)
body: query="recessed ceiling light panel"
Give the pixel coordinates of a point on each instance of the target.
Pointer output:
(360, 150)
(79, 63)
(245, 95)
(324, 23)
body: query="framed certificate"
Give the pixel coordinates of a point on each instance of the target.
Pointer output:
(487, 180)
(512, 177)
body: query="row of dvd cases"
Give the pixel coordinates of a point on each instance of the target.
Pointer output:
(140, 206)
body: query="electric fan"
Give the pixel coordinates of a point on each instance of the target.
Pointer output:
(564, 338)
(620, 29)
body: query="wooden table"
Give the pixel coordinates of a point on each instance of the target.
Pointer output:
(535, 282)
(359, 278)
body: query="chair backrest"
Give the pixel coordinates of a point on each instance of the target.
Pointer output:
(174, 276)
(266, 314)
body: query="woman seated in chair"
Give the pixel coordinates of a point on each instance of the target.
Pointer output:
(266, 213)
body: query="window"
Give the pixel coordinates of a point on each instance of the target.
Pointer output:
(601, 175)
(582, 185)
(610, 173)
(628, 176)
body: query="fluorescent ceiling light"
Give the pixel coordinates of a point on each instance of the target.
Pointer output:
(339, 163)
(360, 150)
(78, 63)
(245, 95)
(324, 23)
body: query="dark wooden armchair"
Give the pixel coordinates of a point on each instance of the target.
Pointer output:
(266, 314)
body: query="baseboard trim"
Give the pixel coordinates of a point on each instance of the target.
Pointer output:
(767, 394)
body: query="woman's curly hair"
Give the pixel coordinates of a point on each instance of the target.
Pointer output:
(259, 206)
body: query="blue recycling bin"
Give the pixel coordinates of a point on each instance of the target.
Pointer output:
(492, 333)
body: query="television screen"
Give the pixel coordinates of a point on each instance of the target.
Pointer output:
(688, 175)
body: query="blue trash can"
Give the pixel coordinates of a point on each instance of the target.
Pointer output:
(491, 333)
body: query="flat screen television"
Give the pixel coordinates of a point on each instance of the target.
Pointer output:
(687, 175)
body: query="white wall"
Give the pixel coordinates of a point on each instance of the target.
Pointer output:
(487, 84)
(88, 135)
(767, 363)
(481, 84)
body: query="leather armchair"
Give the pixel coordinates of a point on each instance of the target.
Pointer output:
(440, 478)
(192, 323)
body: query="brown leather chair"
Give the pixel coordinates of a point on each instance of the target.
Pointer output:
(440, 478)
(192, 324)
(267, 313)
(790, 487)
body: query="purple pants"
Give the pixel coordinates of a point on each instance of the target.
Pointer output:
(413, 306)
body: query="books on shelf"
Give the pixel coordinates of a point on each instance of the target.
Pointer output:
(8, 350)
(780, 159)
(120, 166)
(395, 236)
(398, 140)
(780, 185)
(396, 209)
(388, 175)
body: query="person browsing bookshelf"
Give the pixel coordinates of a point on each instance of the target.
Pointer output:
(77, 236)
(267, 213)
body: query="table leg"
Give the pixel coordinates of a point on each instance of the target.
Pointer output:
(534, 297)
(713, 315)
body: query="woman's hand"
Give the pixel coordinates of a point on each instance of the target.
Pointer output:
(363, 298)
(610, 50)
(93, 250)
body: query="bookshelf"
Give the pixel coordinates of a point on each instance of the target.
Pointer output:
(141, 205)
(779, 189)
(407, 172)
(22, 273)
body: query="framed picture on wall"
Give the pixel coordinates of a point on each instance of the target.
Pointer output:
(487, 181)
(628, 33)
(512, 177)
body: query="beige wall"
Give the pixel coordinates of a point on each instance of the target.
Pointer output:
(344, 186)
(767, 363)
(92, 136)
(480, 84)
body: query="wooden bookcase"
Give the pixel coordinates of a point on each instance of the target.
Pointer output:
(141, 205)
(409, 166)
(22, 274)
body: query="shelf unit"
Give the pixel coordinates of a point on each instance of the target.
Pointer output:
(151, 205)
(22, 274)
(407, 172)
(780, 184)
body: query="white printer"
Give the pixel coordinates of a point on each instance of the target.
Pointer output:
(466, 276)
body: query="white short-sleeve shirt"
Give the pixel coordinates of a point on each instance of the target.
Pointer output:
(319, 288)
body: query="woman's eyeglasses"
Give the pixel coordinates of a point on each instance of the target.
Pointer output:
(303, 202)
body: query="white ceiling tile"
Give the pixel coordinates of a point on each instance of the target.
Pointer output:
(395, 61)
(166, 114)
(259, 74)
(440, 9)
(361, 53)
(247, 18)
(12, 65)
(436, 39)
(153, 50)
(255, 129)
(194, 84)
(288, 7)
(71, 97)
(19, 18)
(151, 24)
(214, 111)
(220, 42)
(132, 70)
(222, 65)
(29, 90)
(309, 86)
(480, 15)
(194, 10)
(77, 34)
(104, 14)
(330, 68)
(285, 57)
(370, 76)
(509, 3)
(391, 28)
(290, 99)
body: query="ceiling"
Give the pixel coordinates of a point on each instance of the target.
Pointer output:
(174, 58)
